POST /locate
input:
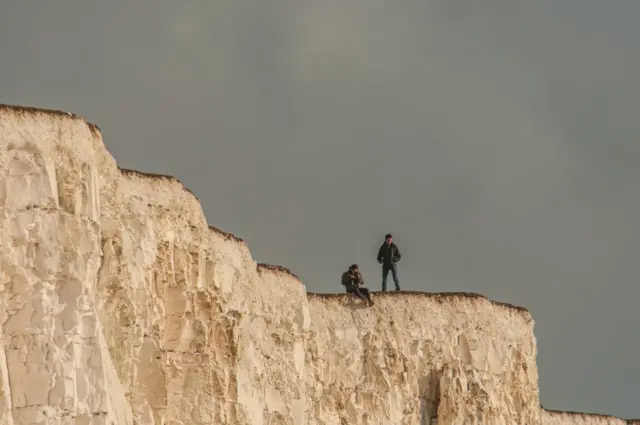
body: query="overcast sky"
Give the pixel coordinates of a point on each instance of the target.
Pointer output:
(499, 141)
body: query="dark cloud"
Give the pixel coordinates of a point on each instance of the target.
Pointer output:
(498, 141)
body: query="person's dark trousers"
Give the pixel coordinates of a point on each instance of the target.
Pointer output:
(394, 273)
(362, 293)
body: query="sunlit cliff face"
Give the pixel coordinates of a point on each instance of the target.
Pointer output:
(121, 305)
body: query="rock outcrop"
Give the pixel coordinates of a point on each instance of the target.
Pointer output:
(120, 305)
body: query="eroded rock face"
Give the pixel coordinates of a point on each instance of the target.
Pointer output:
(119, 305)
(414, 358)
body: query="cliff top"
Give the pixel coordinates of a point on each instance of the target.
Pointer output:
(143, 174)
(586, 416)
(30, 110)
(436, 296)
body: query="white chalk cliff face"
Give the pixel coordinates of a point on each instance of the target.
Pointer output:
(119, 305)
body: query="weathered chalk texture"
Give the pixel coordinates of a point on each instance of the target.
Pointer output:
(120, 305)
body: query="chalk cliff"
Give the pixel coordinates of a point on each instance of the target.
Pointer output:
(120, 305)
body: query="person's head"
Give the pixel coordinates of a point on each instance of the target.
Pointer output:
(353, 268)
(388, 238)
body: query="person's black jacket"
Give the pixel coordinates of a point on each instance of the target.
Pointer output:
(388, 254)
(351, 280)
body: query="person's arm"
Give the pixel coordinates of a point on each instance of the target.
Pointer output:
(379, 258)
(398, 255)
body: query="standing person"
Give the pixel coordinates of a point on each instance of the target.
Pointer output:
(354, 284)
(388, 256)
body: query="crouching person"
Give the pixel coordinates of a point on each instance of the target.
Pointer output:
(354, 284)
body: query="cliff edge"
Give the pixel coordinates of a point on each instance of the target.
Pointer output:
(120, 305)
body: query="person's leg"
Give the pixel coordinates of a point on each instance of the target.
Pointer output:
(366, 293)
(360, 293)
(394, 273)
(385, 273)
(351, 292)
(355, 291)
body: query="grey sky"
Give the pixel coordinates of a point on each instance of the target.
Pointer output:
(497, 140)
